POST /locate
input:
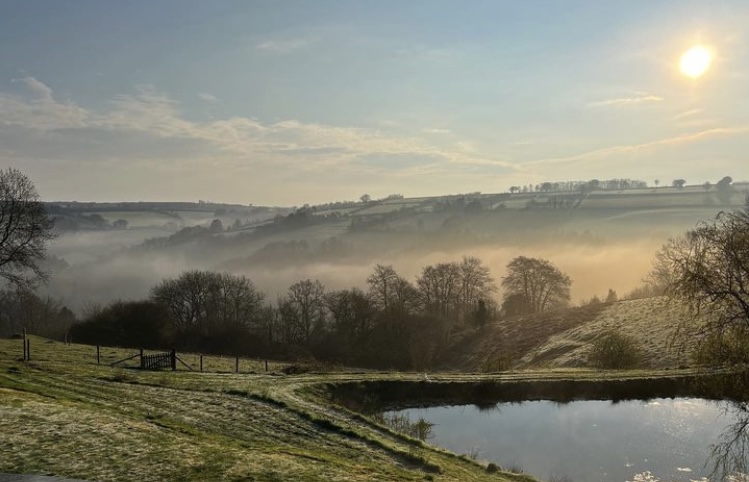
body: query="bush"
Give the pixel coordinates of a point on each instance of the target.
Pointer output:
(728, 348)
(615, 351)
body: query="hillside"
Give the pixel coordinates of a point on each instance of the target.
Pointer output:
(564, 338)
(63, 414)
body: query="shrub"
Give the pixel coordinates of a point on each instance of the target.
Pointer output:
(728, 348)
(615, 351)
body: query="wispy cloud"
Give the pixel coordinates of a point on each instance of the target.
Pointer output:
(608, 152)
(38, 88)
(147, 125)
(39, 109)
(436, 131)
(636, 99)
(286, 46)
(208, 97)
(685, 114)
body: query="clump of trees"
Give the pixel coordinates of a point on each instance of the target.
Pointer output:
(21, 308)
(392, 323)
(707, 270)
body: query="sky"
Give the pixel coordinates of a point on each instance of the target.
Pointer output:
(293, 102)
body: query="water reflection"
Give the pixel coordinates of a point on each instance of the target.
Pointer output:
(729, 455)
(681, 439)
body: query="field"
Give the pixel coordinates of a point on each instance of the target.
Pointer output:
(63, 414)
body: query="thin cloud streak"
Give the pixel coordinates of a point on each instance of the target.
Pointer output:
(285, 46)
(645, 146)
(627, 101)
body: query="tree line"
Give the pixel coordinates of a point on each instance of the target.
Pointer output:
(392, 323)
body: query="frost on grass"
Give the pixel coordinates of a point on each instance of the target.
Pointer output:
(39, 434)
(652, 322)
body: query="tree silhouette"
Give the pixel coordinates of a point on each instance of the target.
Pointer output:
(25, 229)
(539, 284)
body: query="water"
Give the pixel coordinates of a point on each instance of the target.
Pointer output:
(588, 441)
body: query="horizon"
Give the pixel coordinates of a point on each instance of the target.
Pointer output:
(294, 103)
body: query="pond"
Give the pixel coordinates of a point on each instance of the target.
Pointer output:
(591, 441)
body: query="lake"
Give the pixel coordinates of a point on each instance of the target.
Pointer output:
(587, 441)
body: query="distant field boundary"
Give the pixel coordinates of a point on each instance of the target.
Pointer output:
(33, 348)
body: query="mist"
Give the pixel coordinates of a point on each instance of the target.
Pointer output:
(101, 271)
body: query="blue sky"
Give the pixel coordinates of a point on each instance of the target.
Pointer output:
(289, 102)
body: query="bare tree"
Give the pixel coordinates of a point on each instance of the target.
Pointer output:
(540, 284)
(25, 229)
(352, 313)
(476, 284)
(382, 284)
(707, 269)
(439, 288)
(730, 455)
(306, 299)
(199, 300)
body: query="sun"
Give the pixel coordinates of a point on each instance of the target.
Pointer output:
(695, 61)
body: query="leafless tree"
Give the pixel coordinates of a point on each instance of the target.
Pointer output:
(476, 284)
(25, 229)
(439, 288)
(540, 284)
(392, 293)
(199, 300)
(707, 270)
(730, 455)
(306, 299)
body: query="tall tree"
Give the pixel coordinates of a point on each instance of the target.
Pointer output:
(707, 269)
(392, 293)
(306, 299)
(540, 284)
(25, 229)
(476, 284)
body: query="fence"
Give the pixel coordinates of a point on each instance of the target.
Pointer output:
(48, 350)
(159, 361)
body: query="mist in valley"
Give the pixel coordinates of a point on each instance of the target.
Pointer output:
(103, 266)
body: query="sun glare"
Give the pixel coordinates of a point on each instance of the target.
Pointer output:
(695, 61)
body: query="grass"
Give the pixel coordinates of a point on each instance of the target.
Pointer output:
(63, 414)
(652, 323)
(565, 338)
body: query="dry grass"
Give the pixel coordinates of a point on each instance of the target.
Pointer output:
(565, 338)
(652, 323)
(63, 414)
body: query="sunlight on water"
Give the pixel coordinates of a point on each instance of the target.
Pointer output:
(587, 441)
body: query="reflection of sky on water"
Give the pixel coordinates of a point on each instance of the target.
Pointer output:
(587, 441)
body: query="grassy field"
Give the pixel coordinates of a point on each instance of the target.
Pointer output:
(63, 414)
(564, 338)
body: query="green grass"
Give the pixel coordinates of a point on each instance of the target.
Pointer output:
(63, 414)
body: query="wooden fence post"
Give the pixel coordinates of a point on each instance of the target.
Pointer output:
(142, 360)
(266, 365)
(236, 365)
(174, 360)
(24, 344)
(98, 356)
(28, 350)
(201, 363)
